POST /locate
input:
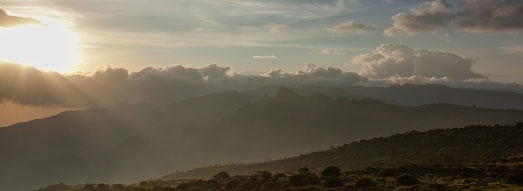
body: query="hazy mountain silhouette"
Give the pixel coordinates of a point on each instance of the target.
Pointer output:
(457, 146)
(129, 142)
(409, 94)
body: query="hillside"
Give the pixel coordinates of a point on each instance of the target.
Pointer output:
(130, 142)
(409, 94)
(474, 144)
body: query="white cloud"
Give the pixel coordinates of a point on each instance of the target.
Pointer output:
(352, 27)
(265, 57)
(399, 60)
(331, 51)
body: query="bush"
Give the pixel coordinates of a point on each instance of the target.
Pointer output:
(279, 175)
(389, 172)
(407, 180)
(365, 183)
(311, 179)
(264, 174)
(297, 180)
(331, 171)
(303, 170)
(333, 182)
(515, 179)
(232, 184)
(222, 176)
(270, 186)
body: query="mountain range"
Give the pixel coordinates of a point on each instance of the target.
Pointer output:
(129, 142)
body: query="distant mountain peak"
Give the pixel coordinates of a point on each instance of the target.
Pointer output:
(286, 94)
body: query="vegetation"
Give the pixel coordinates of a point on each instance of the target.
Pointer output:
(436, 177)
(483, 158)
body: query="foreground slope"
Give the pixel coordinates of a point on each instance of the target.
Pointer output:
(474, 144)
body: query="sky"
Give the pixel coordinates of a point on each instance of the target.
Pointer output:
(100, 51)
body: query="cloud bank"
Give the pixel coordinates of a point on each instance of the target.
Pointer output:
(7, 20)
(474, 16)
(387, 65)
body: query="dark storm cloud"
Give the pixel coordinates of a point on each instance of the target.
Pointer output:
(7, 20)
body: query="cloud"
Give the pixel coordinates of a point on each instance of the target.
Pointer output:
(7, 20)
(399, 60)
(472, 16)
(351, 27)
(215, 71)
(30, 86)
(265, 57)
(277, 29)
(430, 19)
(331, 51)
(490, 16)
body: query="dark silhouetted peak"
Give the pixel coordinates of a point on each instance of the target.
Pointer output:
(285, 93)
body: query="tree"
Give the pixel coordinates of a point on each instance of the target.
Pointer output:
(331, 171)
(303, 170)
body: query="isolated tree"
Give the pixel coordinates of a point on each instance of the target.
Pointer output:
(222, 177)
(303, 170)
(331, 171)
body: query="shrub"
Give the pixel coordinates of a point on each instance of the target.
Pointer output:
(311, 179)
(270, 186)
(297, 180)
(264, 174)
(407, 180)
(388, 172)
(279, 175)
(303, 170)
(331, 171)
(365, 183)
(333, 182)
(232, 184)
(515, 179)
(222, 176)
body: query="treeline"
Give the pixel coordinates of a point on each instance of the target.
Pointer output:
(413, 177)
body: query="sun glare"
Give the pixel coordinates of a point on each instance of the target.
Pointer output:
(50, 47)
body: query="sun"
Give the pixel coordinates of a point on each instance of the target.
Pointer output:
(51, 47)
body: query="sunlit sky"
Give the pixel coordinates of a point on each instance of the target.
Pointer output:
(251, 35)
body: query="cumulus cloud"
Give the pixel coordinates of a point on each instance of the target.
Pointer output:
(265, 57)
(430, 19)
(399, 60)
(7, 20)
(470, 16)
(352, 27)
